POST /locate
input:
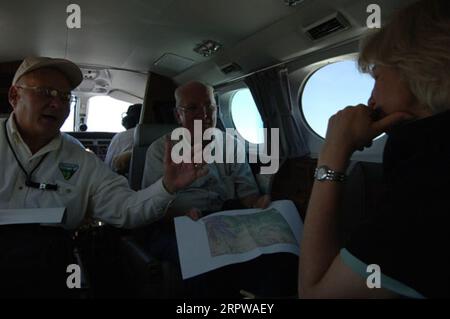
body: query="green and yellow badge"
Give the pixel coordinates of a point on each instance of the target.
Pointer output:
(67, 170)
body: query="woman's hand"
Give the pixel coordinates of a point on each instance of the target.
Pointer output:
(351, 129)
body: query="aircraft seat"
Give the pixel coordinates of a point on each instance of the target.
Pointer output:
(144, 136)
(362, 193)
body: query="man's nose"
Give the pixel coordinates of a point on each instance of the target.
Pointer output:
(204, 112)
(57, 102)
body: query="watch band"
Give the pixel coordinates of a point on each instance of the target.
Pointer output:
(324, 173)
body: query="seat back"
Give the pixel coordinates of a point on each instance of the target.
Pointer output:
(144, 136)
(362, 194)
(33, 261)
(294, 181)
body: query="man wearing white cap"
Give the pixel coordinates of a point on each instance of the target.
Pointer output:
(43, 168)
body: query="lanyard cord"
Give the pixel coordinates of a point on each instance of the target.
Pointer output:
(28, 181)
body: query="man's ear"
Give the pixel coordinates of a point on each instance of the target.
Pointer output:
(13, 96)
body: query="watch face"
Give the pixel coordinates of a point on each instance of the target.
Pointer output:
(321, 173)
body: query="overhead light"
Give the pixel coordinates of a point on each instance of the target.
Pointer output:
(208, 48)
(292, 3)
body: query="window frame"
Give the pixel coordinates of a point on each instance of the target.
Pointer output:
(300, 97)
(317, 67)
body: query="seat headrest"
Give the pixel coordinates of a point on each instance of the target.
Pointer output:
(146, 134)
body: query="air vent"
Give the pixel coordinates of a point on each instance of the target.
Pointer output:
(229, 68)
(100, 90)
(327, 26)
(90, 74)
(94, 80)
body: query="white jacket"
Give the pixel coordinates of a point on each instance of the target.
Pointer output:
(86, 185)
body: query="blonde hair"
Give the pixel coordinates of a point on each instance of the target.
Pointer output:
(416, 42)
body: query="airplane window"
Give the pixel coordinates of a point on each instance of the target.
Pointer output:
(246, 117)
(330, 89)
(70, 121)
(105, 114)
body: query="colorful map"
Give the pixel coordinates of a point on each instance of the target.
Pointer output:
(242, 233)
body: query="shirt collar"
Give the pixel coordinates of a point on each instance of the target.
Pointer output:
(18, 142)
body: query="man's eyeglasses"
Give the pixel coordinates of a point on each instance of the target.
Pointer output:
(198, 111)
(48, 93)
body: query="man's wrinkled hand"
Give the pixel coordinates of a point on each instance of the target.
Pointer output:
(121, 162)
(194, 213)
(178, 176)
(262, 202)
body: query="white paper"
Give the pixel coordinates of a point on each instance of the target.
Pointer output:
(32, 216)
(235, 236)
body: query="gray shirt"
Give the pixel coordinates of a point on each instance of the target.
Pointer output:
(224, 181)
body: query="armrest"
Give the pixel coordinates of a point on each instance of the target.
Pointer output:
(152, 277)
(139, 259)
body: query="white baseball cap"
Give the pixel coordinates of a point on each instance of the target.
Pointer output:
(68, 68)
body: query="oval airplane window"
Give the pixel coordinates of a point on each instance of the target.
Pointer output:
(330, 89)
(246, 117)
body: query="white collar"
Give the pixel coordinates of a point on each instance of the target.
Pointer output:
(18, 142)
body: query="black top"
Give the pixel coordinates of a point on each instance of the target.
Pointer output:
(409, 236)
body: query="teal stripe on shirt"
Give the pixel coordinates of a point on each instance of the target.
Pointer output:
(386, 282)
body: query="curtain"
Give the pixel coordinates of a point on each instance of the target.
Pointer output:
(271, 92)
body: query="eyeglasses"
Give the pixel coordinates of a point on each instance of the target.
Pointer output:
(198, 111)
(48, 93)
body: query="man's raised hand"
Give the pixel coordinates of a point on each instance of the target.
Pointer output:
(178, 176)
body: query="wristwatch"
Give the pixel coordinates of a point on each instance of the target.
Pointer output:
(324, 173)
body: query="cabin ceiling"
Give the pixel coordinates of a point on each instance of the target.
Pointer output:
(135, 34)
